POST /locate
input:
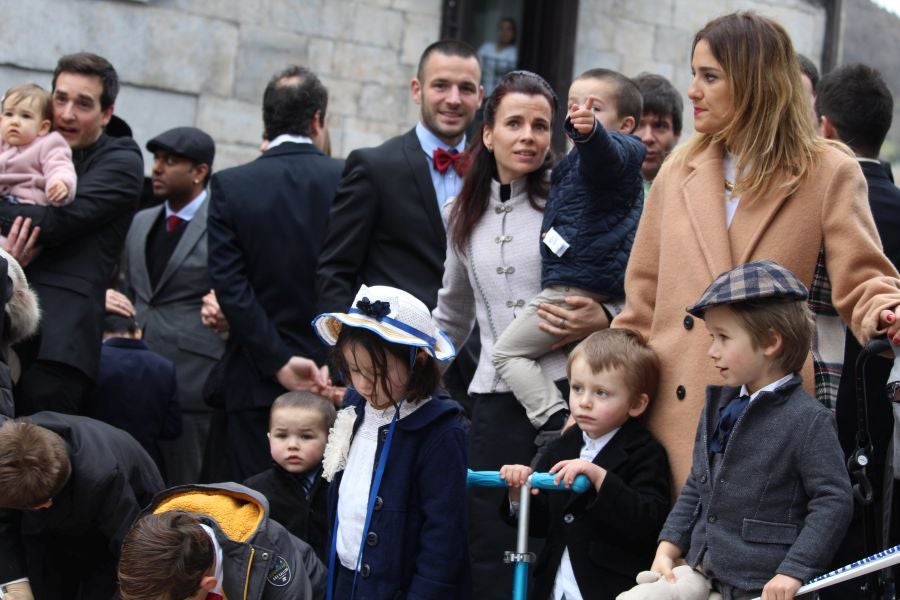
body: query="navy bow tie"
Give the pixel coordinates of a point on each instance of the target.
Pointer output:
(728, 416)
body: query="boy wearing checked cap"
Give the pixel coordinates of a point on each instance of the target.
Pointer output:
(768, 498)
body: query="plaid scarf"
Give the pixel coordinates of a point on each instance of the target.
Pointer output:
(828, 337)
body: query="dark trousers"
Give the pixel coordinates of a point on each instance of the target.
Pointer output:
(183, 457)
(48, 385)
(501, 434)
(248, 446)
(70, 568)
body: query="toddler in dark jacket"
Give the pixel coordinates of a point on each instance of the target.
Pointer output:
(592, 213)
(297, 493)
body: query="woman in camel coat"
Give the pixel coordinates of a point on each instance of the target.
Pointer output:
(754, 182)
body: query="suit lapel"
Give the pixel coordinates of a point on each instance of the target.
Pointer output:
(415, 158)
(192, 233)
(137, 251)
(703, 196)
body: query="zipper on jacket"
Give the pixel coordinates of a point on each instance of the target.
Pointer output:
(249, 566)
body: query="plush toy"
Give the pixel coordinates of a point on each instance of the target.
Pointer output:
(689, 585)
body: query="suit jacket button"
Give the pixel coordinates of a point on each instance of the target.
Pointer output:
(365, 571)
(569, 518)
(379, 503)
(510, 304)
(689, 322)
(680, 392)
(499, 210)
(500, 270)
(711, 518)
(510, 270)
(520, 303)
(371, 538)
(703, 479)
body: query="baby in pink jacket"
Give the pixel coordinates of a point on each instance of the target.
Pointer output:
(35, 163)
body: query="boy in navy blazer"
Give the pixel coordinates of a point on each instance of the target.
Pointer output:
(136, 390)
(597, 542)
(768, 498)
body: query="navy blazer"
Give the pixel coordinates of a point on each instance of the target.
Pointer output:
(610, 534)
(417, 545)
(136, 391)
(266, 224)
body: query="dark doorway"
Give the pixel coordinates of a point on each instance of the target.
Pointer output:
(544, 40)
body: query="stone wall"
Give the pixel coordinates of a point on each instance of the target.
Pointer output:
(631, 36)
(206, 62)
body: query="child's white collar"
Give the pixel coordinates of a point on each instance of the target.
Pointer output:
(218, 570)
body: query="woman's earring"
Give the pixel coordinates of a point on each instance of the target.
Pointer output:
(196, 181)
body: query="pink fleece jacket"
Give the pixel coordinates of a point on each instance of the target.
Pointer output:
(26, 171)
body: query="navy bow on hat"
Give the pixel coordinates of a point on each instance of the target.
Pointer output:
(377, 310)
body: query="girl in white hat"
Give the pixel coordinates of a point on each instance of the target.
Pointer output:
(396, 456)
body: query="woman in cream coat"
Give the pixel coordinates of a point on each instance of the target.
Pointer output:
(754, 182)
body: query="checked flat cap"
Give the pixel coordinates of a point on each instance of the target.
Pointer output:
(750, 281)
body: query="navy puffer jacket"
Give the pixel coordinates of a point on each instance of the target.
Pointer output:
(595, 202)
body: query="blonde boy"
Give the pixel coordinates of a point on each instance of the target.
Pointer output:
(596, 541)
(768, 498)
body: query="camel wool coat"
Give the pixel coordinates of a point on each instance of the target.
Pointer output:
(682, 244)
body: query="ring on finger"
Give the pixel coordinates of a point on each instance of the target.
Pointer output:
(562, 323)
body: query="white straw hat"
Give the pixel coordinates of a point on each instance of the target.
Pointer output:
(394, 315)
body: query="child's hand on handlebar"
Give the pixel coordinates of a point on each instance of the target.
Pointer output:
(567, 470)
(515, 477)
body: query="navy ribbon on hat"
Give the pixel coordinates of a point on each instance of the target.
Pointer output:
(378, 310)
(728, 416)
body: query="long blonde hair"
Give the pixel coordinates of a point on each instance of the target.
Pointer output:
(770, 134)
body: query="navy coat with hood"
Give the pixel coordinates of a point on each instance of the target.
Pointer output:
(417, 545)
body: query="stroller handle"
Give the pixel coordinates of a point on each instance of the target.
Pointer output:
(542, 481)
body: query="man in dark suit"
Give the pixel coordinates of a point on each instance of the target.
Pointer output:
(855, 106)
(81, 242)
(267, 221)
(164, 273)
(385, 225)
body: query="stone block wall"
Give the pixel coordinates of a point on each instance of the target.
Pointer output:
(632, 36)
(206, 62)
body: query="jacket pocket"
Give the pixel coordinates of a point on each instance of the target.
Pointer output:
(208, 346)
(765, 532)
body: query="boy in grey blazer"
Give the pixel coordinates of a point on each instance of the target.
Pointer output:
(768, 498)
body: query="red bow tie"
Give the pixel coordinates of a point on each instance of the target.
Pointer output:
(443, 159)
